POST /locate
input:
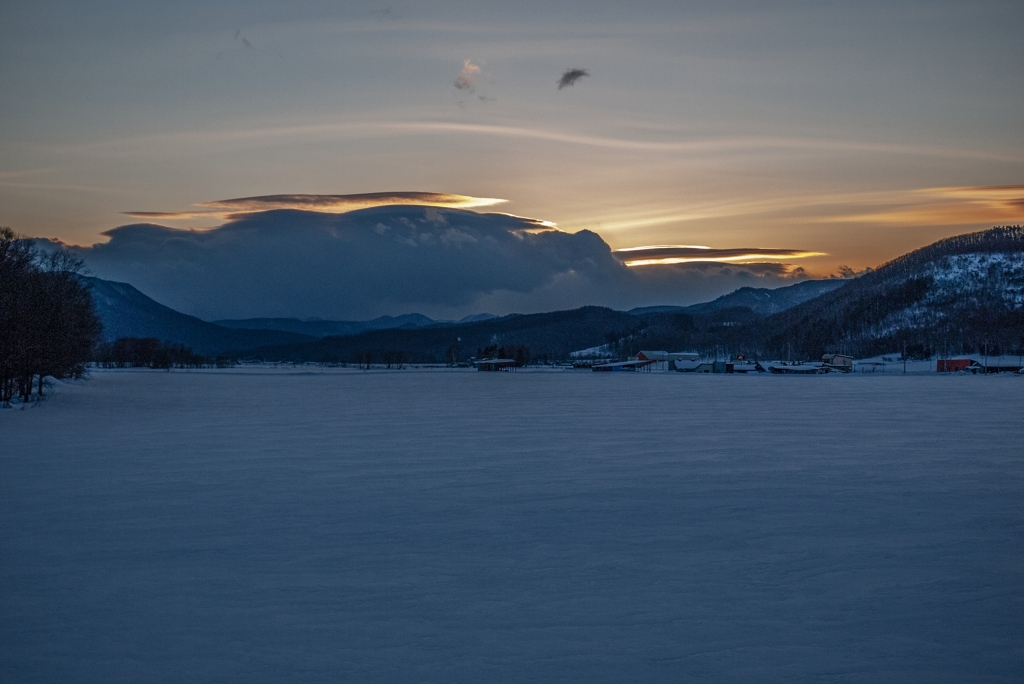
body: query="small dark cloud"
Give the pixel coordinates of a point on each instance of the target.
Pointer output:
(845, 272)
(466, 80)
(571, 76)
(242, 39)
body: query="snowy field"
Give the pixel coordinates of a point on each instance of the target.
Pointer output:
(262, 525)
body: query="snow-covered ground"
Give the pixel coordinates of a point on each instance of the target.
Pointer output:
(269, 525)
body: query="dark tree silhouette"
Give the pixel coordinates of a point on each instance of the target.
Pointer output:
(47, 322)
(149, 352)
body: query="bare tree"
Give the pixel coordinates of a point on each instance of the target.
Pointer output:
(47, 322)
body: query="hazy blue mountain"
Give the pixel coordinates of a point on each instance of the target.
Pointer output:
(760, 300)
(476, 318)
(547, 335)
(313, 328)
(126, 312)
(317, 327)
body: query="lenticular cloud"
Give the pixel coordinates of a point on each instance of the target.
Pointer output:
(441, 262)
(300, 263)
(334, 204)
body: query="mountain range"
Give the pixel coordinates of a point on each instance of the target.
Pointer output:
(955, 295)
(316, 327)
(127, 312)
(958, 295)
(760, 300)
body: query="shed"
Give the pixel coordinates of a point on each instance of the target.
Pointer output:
(496, 365)
(838, 362)
(1000, 364)
(672, 360)
(714, 367)
(667, 356)
(621, 366)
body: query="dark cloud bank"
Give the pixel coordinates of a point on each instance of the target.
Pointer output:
(391, 260)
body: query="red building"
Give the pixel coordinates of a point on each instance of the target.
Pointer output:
(952, 365)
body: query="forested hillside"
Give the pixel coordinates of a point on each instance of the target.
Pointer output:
(548, 336)
(956, 295)
(126, 312)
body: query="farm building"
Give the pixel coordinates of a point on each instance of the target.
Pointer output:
(999, 364)
(952, 365)
(981, 364)
(839, 362)
(713, 367)
(670, 359)
(622, 366)
(496, 365)
(798, 369)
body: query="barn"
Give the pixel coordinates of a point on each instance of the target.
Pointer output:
(491, 365)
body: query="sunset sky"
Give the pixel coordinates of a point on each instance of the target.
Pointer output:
(816, 133)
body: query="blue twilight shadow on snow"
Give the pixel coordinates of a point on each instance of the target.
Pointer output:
(324, 527)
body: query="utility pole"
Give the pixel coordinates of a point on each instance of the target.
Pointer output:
(904, 356)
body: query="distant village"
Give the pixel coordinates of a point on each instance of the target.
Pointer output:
(693, 362)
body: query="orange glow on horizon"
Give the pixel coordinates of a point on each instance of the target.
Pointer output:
(737, 259)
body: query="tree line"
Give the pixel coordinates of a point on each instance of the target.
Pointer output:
(519, 353)
(149, 352)
(48, 325)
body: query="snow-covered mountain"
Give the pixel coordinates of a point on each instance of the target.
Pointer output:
(955, 295)
(960, 285)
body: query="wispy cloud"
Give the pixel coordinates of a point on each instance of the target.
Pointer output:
(660, 255)
(571, 76)
(946, 206)
(330, 204)
(466, 80)
(941, 206)
(691, 146)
